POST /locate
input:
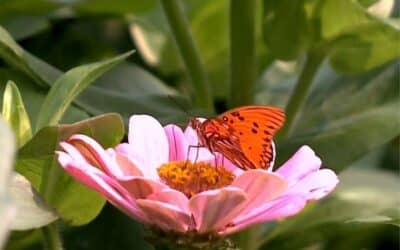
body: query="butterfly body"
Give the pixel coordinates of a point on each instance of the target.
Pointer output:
(243, 135)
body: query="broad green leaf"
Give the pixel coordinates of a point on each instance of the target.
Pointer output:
(15, 114)
(32, 211)
(348, 34)
(13, 54)
(341, 131)
(74, 203)
(7, 208)
(33, 96)
(18, 28)
(368, 194)
(129, 89)
(366, 48)
(68, 86)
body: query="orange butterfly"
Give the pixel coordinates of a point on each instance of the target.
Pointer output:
(243, 135)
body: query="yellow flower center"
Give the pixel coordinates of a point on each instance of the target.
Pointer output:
(192, 178)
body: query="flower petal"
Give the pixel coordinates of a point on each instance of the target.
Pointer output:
(93, 153)
(214, 209)
(260, 186)
(282, 207)
(177, 143)
(303, 162)
(165, 216)
(140, 187)
(316, 185)
(172, 197)
(95, 179)
(147, 138)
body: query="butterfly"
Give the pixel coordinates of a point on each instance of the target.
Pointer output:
(243, 135)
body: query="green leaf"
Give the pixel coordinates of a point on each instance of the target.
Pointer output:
(7, 207)
(68, 86)
(16, 25)
(353, 39)
(42, 73)
(367, 47)
(343, 131)
(15, 114)
(74, 203)
(368, 194)
(33, 96)
(32, 211)
(129, 89)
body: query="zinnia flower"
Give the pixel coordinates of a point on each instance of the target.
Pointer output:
(156, 179)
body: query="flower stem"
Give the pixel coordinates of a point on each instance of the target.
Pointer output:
(51, 237)
(300, 92)
(243, 66)
(190, 55)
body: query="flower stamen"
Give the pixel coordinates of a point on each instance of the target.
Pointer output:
(192, 178)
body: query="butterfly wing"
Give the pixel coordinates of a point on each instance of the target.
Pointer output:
(254, 126)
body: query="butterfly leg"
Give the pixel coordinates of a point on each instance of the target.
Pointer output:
(197, 152)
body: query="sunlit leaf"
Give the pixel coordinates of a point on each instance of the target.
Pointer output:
(15, 114)
(75, 203)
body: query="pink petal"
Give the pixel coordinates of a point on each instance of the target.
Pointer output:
(316, 185)
(93, 153)
(147, 138)
(282, 207)
(214, 209)
(95, 179)
(165, 216)
(177, 143)
(303, 162)
(128, 167)
(261, 187)
(140, 187)
(172, 197)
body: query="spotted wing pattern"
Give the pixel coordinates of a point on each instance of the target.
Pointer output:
(244, 135)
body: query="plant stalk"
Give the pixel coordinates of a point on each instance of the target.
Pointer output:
(51, 237)
(243, 66)
(300, 92)
(177, 20)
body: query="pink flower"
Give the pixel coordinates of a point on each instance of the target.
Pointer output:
(150, 179)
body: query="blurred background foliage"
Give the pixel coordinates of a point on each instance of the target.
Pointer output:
(345, 54)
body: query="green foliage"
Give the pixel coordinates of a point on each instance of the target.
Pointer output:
(353, 39)
(15, 114)
(341, 81)
(37, 162)
(68, 86)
